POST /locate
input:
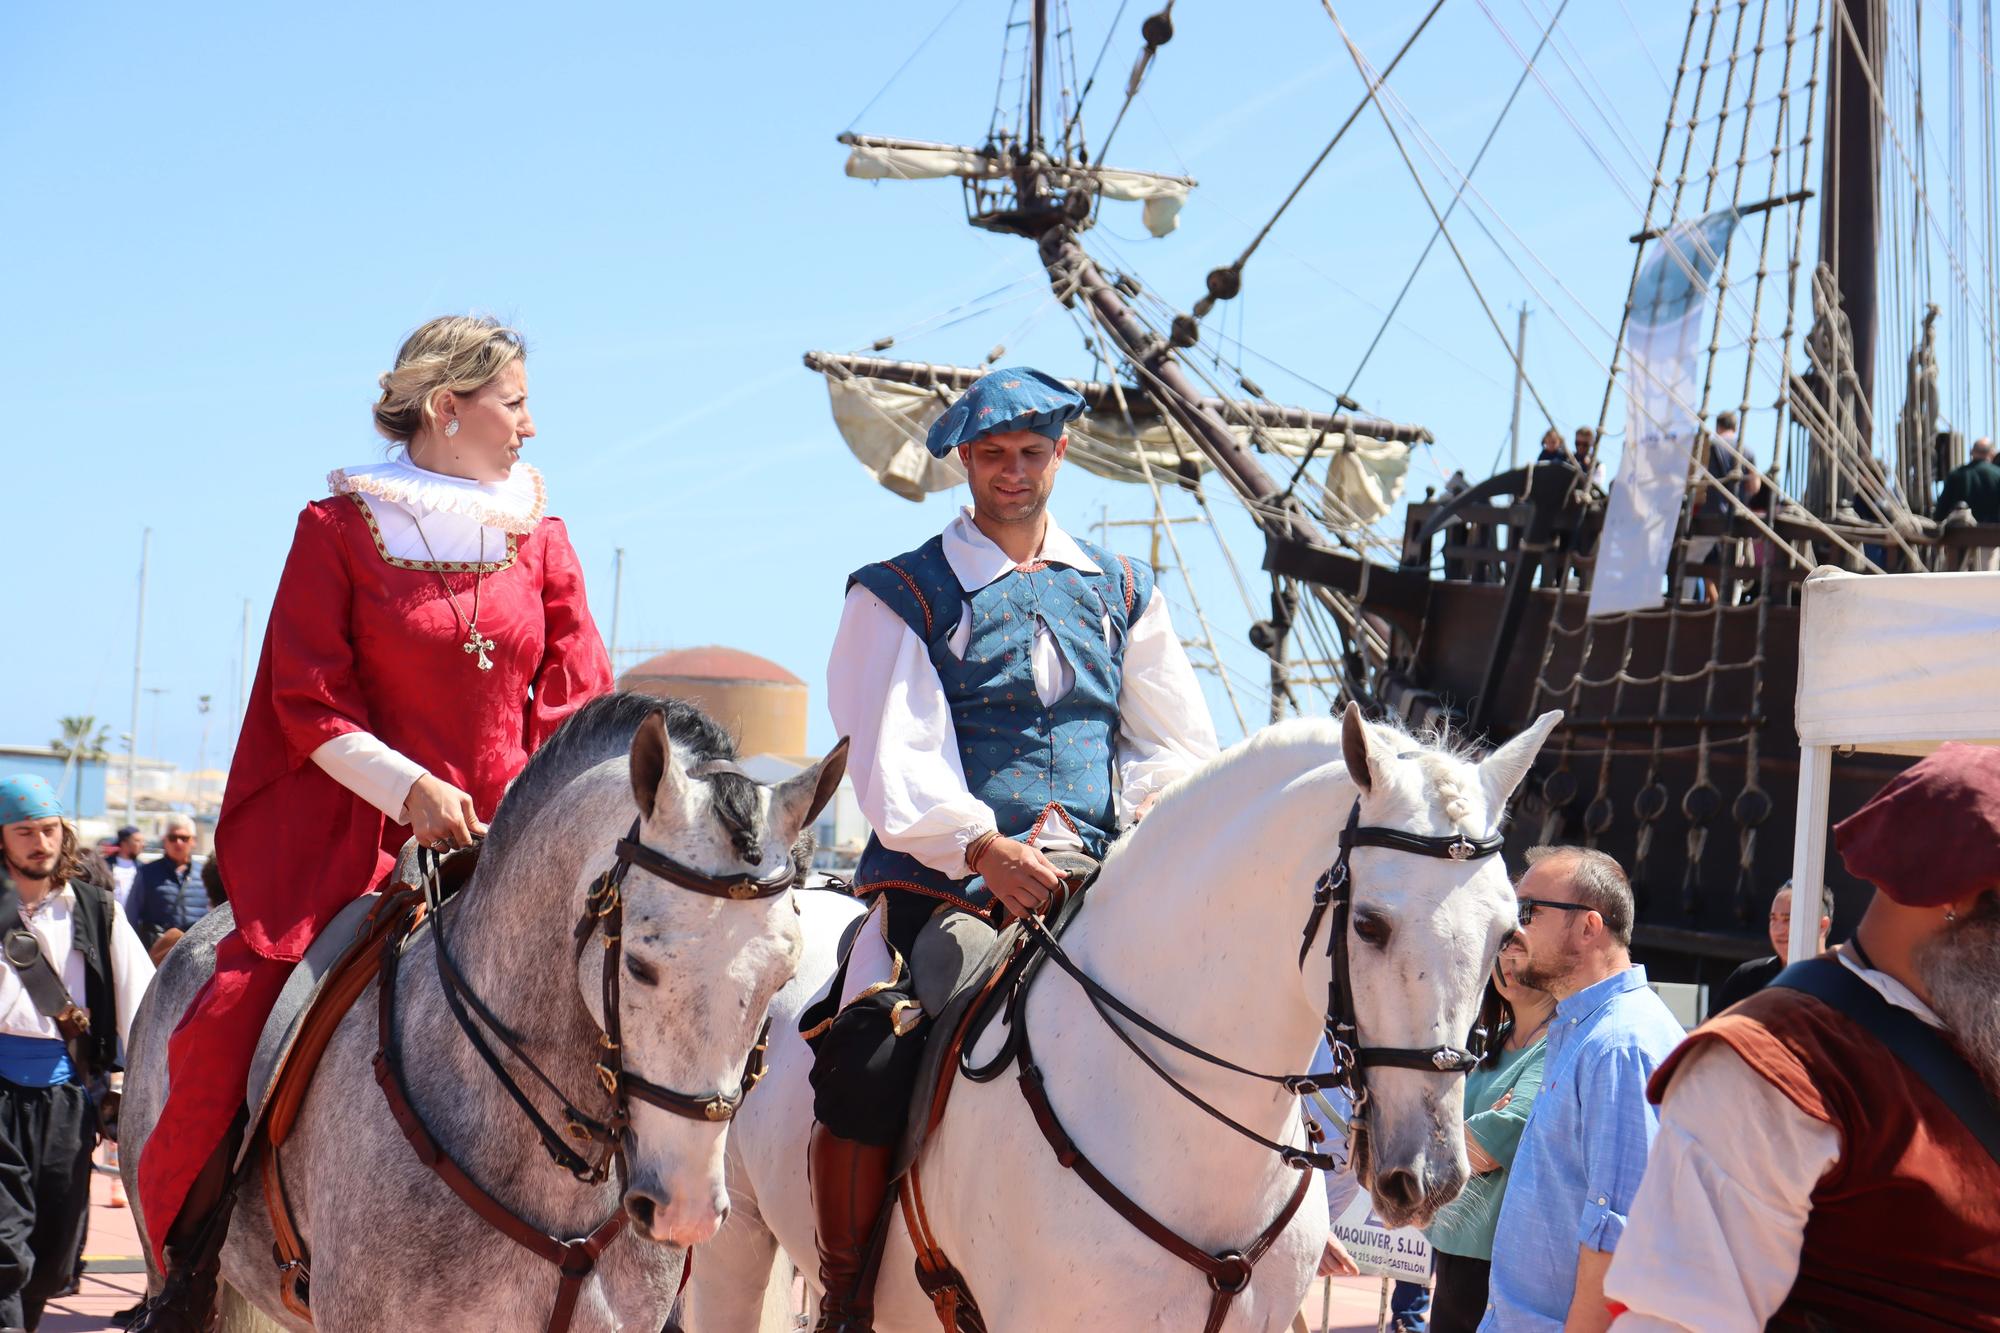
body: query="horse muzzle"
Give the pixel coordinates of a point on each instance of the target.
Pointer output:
(683, 1220)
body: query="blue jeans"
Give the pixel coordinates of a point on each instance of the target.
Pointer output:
(1410, 1305)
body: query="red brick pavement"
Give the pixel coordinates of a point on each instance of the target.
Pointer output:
(1351, 1302)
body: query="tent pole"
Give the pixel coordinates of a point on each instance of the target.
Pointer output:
(1809, 847)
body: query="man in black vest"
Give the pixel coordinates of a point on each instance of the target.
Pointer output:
(73, 976)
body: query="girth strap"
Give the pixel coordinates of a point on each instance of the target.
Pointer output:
(1228, 1274)
(574, 1260)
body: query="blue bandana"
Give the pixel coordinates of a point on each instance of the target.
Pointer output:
(25, 796)
(1013, 399)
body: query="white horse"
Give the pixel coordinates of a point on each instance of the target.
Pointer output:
(1196, 922)
(392, 1247)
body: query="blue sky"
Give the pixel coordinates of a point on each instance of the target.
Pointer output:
(224, 217)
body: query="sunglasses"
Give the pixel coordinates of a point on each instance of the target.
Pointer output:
(179, 837)
(1529, 906)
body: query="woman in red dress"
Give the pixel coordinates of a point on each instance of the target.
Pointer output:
(429, 632)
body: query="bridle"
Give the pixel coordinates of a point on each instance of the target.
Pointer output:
(1333, 897)
(1228, 1273)
(1333, 900)
(604, 916)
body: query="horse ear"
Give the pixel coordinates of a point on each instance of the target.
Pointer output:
(1506, 768)
(652, 763)
(797, 801)
(1355, 745)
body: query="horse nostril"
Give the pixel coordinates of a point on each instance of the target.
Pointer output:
(1401, 1188)
(640, 1208)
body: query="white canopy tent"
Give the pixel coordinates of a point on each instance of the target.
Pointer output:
(1891, 663)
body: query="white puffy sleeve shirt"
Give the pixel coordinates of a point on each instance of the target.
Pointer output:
(886, 698)
(1712, 1244)
(54, 928)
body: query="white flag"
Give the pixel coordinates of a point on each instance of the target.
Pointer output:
(1662, 339)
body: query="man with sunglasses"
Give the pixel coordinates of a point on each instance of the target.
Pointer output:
(168, 895)
(1585, 1144)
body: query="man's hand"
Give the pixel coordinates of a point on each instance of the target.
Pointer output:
(1335, 1261)
(1145, 808)
(438, 812)
(1018, 875)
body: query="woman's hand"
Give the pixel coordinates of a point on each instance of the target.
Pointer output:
(1335, 1261)
(439, 813)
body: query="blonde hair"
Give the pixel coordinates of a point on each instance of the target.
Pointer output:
(455, 353)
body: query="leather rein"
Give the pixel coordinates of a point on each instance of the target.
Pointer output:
(603, 916)
(1229, 1273)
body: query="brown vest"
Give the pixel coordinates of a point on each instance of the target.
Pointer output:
(1905, 1227)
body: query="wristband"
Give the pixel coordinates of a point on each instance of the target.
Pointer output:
(977, 848)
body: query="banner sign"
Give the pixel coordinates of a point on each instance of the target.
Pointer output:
(1662, 346)
(1378, 1251)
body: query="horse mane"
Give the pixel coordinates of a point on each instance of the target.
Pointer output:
(1301, 743)
(603, 729)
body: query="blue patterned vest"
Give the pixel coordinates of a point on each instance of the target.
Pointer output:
(1030, 763)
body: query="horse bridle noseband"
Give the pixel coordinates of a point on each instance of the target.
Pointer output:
(604, 911)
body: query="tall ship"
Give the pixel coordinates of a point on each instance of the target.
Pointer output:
(1814, 259)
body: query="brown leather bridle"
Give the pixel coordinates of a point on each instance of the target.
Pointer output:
(604, 911)
(1228, 1273)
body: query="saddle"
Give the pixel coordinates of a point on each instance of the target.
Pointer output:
(337, 967)
(991, 989)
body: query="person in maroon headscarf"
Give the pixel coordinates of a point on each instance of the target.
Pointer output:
(429, 632)
(1829, 1149)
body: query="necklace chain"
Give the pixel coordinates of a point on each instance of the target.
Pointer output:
(475, 643)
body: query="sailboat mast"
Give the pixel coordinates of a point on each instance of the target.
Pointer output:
(1850, 204)
(1037, 40)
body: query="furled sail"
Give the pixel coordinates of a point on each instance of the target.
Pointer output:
(892, 159)
(884, 423)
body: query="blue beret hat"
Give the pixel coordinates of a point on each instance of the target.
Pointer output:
(25, 796)
(1012, 399)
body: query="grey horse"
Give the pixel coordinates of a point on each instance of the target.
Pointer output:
(391, 1246)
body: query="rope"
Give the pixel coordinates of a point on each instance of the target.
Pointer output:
(907, 62)
(1352, 116)
(1457, 195)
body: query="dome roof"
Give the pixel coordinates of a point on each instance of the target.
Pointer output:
(712, 662)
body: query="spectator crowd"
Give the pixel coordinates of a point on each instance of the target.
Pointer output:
(1822, 1153)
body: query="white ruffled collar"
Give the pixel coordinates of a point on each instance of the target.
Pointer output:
(515, 505)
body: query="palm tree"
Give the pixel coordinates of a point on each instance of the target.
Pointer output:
(82, 739)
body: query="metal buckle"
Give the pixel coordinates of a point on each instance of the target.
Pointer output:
(717, 1108)
(1237, 1278)
(1460, 848)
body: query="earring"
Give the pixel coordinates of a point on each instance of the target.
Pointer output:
(1951, 916)
(451, 427)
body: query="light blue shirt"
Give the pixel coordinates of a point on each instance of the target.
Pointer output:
(1583, 1150)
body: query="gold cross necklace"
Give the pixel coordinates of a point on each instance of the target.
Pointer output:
(475, 643)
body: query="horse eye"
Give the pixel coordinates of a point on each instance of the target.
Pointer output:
(642, 972)
(1373, 929)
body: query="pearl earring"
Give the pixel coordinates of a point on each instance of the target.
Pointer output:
(451, 427)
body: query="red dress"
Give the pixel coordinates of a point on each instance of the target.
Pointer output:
(358, 641)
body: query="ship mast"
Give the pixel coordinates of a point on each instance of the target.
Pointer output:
(1850, 212)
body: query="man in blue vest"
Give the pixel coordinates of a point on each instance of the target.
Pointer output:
(1012, 695)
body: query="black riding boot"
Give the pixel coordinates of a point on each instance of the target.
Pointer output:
(850, 1183)
(186, 1301)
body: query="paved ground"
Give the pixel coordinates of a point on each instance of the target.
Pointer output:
(114, 1277)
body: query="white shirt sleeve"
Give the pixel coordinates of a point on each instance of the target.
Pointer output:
(131, 971)
(362, 763)
(1726, 1195)
(886, 698)
(1164, 730)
